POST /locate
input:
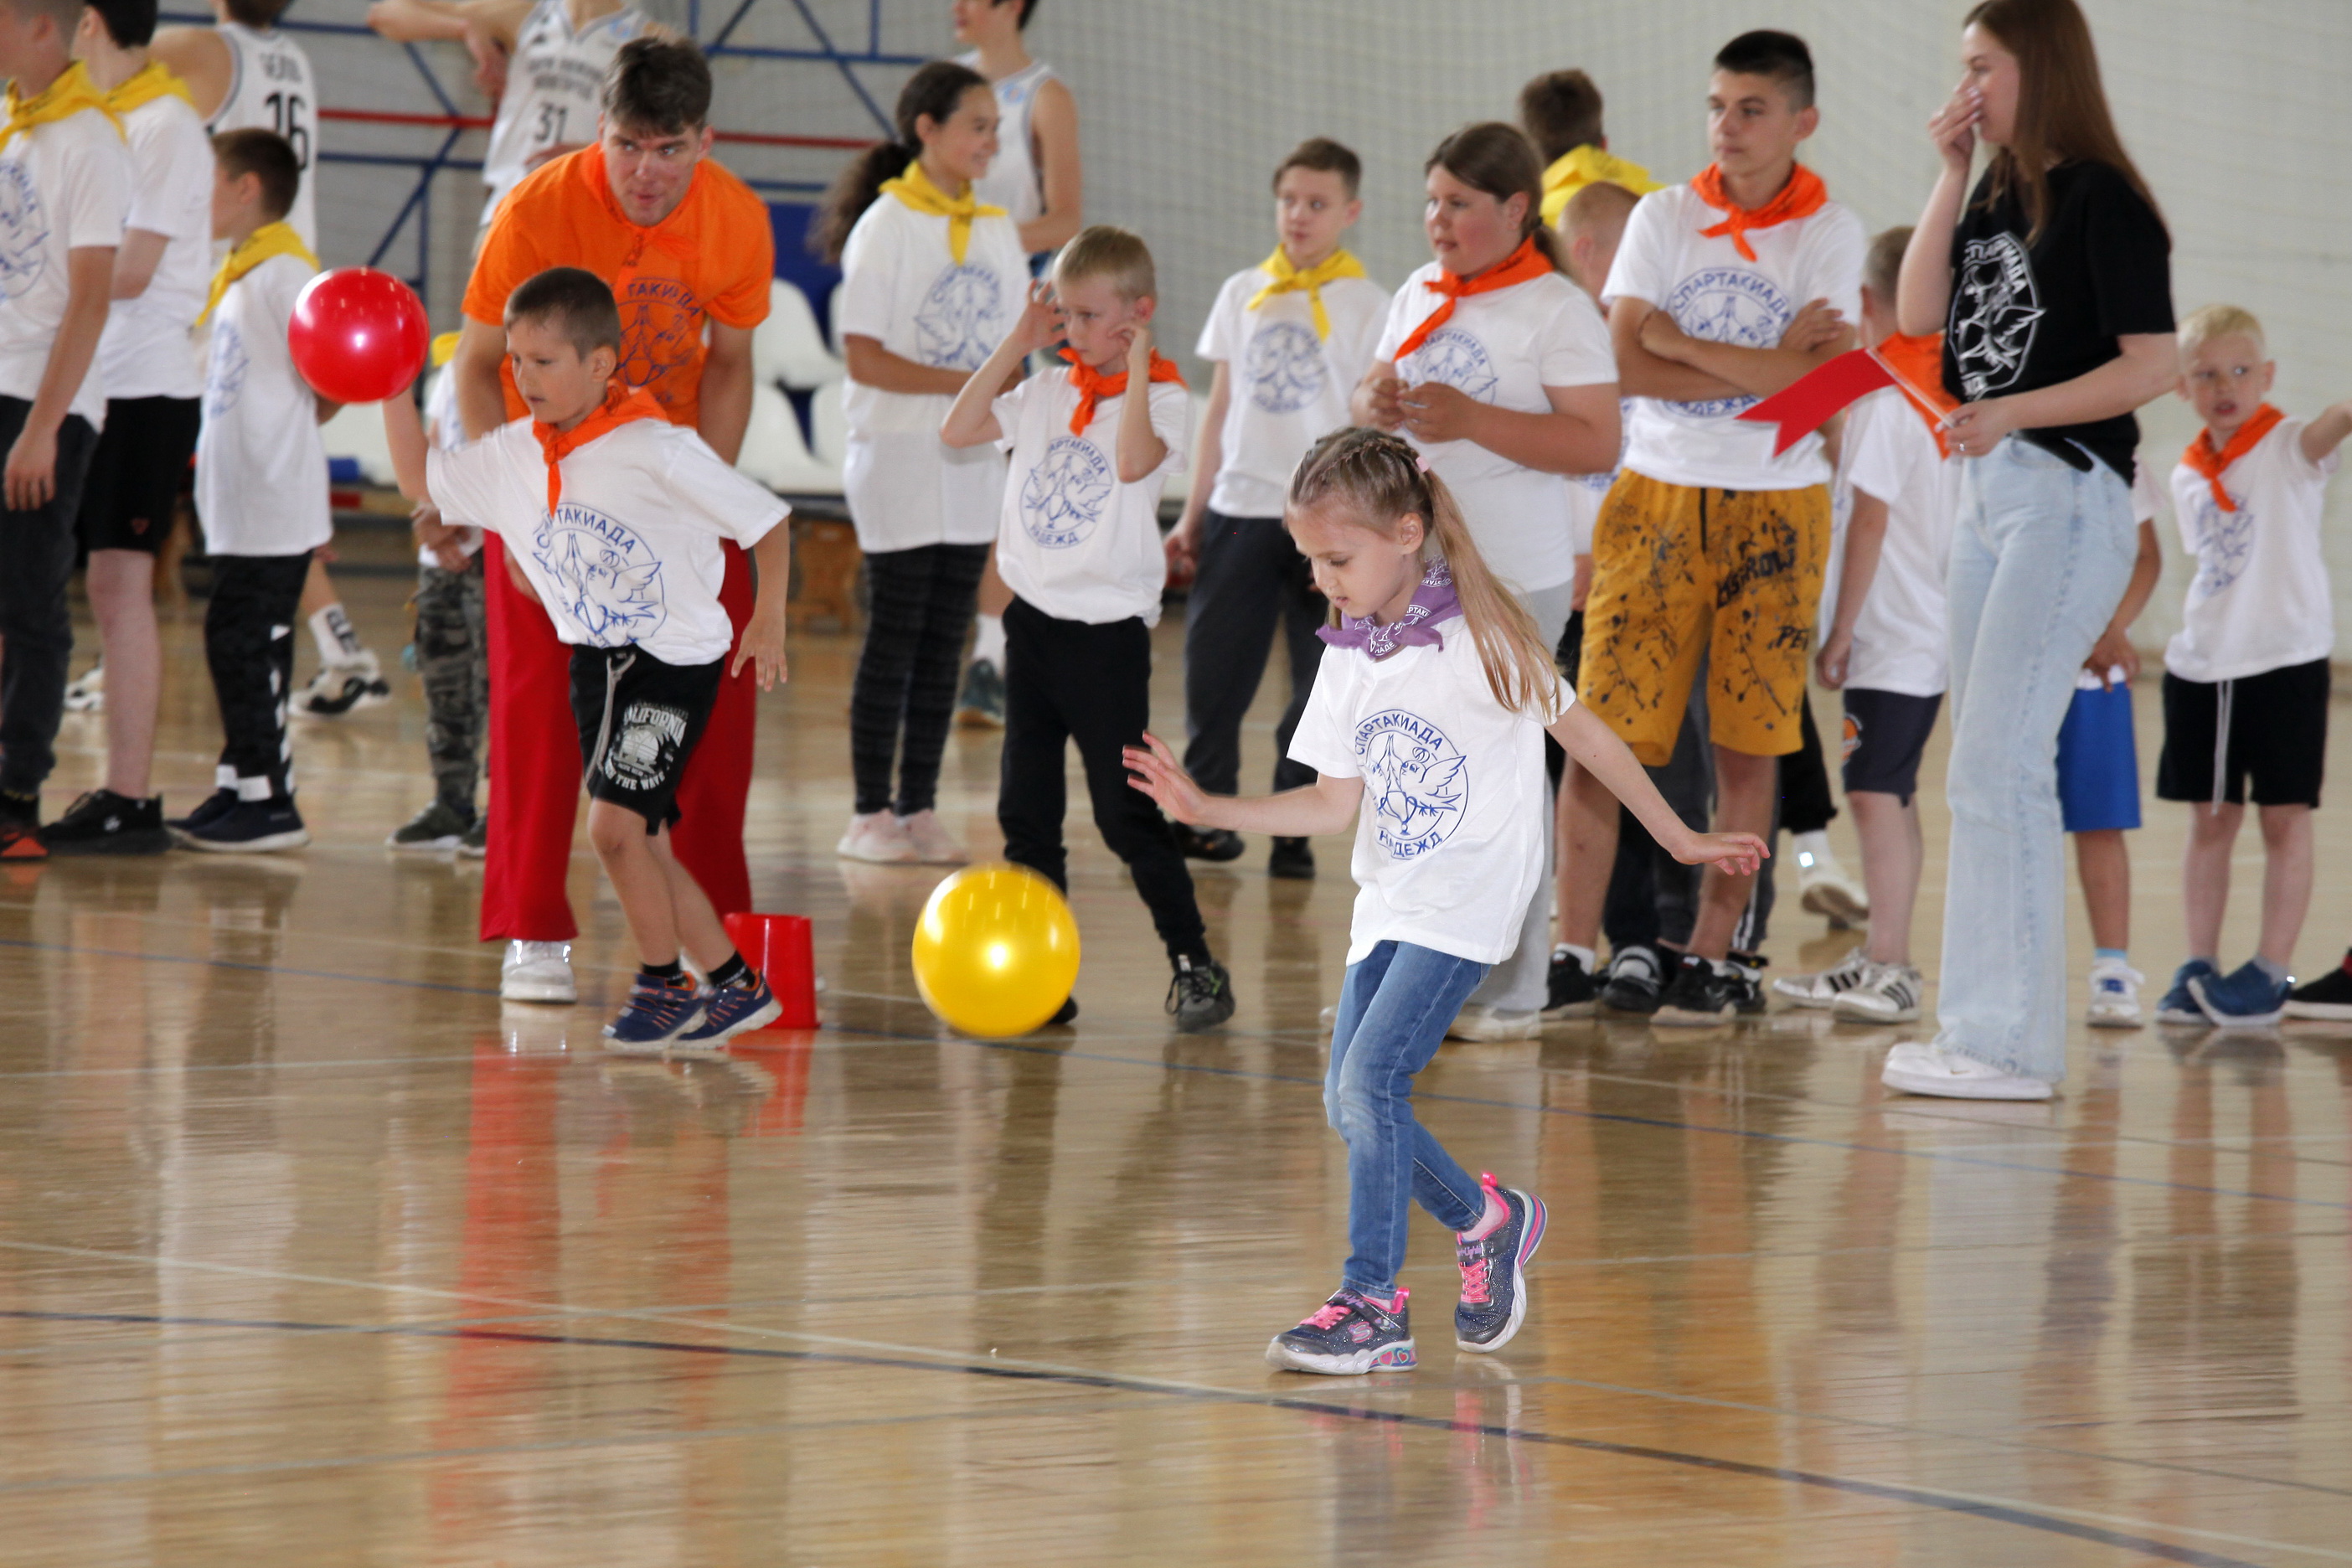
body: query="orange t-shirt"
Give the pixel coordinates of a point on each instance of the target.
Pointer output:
(713, 257)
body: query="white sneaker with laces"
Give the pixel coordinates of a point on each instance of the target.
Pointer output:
(1932, 1070)
(1823, 989)
(2115, 996)
(87, 694)
(1476, 1021)
(934, 844)
(341, 688)
(538, 972)
(1824, 886)
(1887, 994)
(880, 838)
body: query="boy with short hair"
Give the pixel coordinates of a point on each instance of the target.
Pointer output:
(614, 518)
(1560, 112)
(1709, 546)
(2246, 676)
(261, 495)
(1290, 337)
(67, 180)
(1081, 549)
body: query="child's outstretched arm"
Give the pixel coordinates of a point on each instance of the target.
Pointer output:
(2327, 432)
(762, 642)
(404, 432)
(973, 421)
(1327, 805)
(1588, 738)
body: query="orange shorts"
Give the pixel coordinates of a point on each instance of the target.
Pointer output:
(1681, 575)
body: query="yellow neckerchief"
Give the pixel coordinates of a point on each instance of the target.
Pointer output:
(72, 92)
(151, 82)
(445, 349)
(1586, 165)
(1288, 278)
(915, 188)
(270, 239)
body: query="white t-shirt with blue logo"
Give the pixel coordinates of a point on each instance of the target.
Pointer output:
(64, 186)
(261, 467)
(1714, 292)
(1504, 348)
(1287, 387)
(1076, 542)
(1450, 838)
(633, 556)
(902, 287)
(2260, 600)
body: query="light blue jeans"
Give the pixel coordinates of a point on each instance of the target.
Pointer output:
(1393, 1010)
(2041, 556)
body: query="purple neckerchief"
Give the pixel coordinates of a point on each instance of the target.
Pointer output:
(1433, 602)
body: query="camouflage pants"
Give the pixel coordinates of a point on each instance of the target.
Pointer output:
(452, 654)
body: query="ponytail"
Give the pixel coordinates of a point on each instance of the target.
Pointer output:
(1380, 480)
(931, 93)
(1500, 160)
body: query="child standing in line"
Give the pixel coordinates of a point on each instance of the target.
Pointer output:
(2246, 676)
(1081, 549)
(615, 518)
(1290, 337)
(1886, 647)
(1560, 112)
(1426, 732)
(932, 281)
(261, 495)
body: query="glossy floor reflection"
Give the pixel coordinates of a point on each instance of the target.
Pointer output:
(311, 1252)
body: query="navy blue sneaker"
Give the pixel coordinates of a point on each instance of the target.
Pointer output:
(248, 827)
(1351, 1335)
(655, 1015)
(732, 1010)
(2245, 998)
(220, 803)
(1494, 1272)
(2179, 1005)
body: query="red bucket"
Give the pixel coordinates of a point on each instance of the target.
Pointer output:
(782, 949)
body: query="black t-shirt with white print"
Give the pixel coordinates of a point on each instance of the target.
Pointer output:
(2029, 316)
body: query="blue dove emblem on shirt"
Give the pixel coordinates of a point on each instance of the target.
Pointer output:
(1416, 782)
(2225, 546)
(1728, 305)
(1285, 367)
(24, 232)
(1455, 359)
(607, 580)
(961, 318)
(1064, 497)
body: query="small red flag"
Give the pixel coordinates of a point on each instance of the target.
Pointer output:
(1807, 404)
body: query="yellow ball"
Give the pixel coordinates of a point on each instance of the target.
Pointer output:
(996, 951)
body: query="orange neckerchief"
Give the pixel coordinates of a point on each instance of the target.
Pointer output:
(1802, 196)
(1920, 363)
(1094, 385)
(1521, 266)
(2201, 457)
(621, 408)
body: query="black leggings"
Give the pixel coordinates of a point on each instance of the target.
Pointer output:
(249, 647)
(922, 603)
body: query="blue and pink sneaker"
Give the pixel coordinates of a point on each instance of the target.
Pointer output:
(1352, 1334)
(1494, 1272)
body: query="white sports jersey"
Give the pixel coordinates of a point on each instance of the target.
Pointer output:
(146, 351)
(553, 90)
(272, 87)
(261, 469)
(1014, 181)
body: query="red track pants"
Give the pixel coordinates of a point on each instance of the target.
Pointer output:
(535, 766)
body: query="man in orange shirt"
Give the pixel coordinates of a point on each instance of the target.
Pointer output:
(684, 244)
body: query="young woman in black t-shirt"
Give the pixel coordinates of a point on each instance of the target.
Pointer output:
(2051, 283)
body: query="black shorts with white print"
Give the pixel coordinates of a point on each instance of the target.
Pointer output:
(639, 721)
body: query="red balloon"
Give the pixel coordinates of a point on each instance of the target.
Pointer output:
(358, 335)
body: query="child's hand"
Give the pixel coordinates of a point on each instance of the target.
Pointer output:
(1182, 547)
(763, 644)
(1384, 404)
(1436, 411)
(2112, 651)
(1975, 429)
(1815, 326)
(1834, 660)
(1954, 128)
(31, 476)
(1733, 854)
(1153, 769)
(445, 541)
(1662, 335)
(1138, 347)
(1041, 320)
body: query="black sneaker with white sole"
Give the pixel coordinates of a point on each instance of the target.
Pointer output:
(1213, 844)
(249, 827)
(1702, 994)
(1634, 984)
(1200, 995)
(104, 823)
(2329, 996)
(218, 803)
(1569, 991)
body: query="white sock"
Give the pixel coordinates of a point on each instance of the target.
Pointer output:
(989, 644)
(1813, 849)
(1583, 955)
(332, 630)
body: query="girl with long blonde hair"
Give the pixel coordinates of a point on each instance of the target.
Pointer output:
(1426, 732)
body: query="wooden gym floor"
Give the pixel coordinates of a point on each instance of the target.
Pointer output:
(312, 1252)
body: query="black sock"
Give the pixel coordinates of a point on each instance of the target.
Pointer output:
(735, 972)
(670, 974)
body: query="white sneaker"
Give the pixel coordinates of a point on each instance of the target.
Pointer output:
(538, 972)
(1887, 994)
(1823, 989)
(88, 694)
(1935, 1070)
(1476, 1021)
(934, 844)
(880, 838)
(2115, 996)
(341, 688)
(1825, 888)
